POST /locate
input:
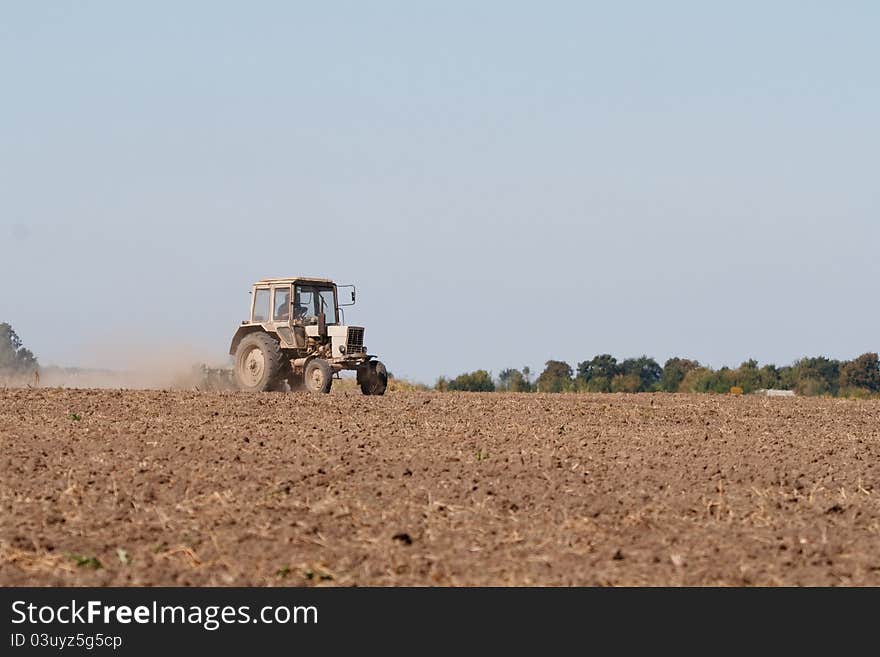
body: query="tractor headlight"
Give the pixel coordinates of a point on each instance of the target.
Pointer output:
(342, 349)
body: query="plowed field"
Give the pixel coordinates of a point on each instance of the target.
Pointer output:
(107, 487)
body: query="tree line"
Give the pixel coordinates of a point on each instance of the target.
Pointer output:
(859, 377)
(15, 359)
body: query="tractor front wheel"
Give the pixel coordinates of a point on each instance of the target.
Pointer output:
(373, 378)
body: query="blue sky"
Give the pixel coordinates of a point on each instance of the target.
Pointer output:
(505, 182)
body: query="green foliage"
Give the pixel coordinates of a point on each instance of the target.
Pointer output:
(403, 385)
(626, 383)
(14, 358)
(820, 375)
(863, 372)
(477, 381)
(812, 386)
(83, 561)
(645, 369)
(603, 366)
(747, 378)
(700, 379)
(596, 384)
(858, 378)
(787, 378)
(768, 377)
(857, 393)
(674, 372)
(556, 377)
(604, 374)
(511, 380)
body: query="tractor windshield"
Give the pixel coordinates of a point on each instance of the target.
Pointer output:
(309, 301)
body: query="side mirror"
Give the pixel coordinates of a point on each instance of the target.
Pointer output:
(353, 291)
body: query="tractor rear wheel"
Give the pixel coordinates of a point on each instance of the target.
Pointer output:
(259, 363)
(318, 376)
(374, 378)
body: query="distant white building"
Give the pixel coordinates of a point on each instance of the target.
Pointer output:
(773, 392)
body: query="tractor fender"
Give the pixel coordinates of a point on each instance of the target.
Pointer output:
(363, 369)
(240, 333)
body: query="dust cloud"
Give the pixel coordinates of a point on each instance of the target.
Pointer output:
(146, 367)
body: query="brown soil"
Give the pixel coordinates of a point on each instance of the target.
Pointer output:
(186, 488)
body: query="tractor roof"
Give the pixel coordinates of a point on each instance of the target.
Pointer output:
(293, 279)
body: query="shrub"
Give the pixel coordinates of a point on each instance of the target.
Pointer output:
(404, 385)
(812, 387)
(674, 372)
(597, 384)
(646, 369)
(626, 383)
(863, 372)
(512, 380)
(856, 393)
(556, 377)
(477, 381)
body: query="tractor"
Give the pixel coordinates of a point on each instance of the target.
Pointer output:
(295, 337)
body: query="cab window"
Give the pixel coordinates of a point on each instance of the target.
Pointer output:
(261, 306)
(309, 301)
(282, 304)
(328, 305)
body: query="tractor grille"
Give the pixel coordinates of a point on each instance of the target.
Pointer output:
(355, 340)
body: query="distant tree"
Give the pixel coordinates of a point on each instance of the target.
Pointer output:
(556, 377)
(674, 372)
(700, 379)
(810, 386)
(723, 380)
(626, 383)
(645, 369)
(859, 377)
(477, 381)
(863, 372)
(512, 380)
(14, 358)
(747, 376)
(768, 377)
(787, 377)
(603, 366)
(596, 384)
(823, 375)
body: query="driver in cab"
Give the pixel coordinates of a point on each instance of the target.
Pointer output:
(282, 308)
(299, 309)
